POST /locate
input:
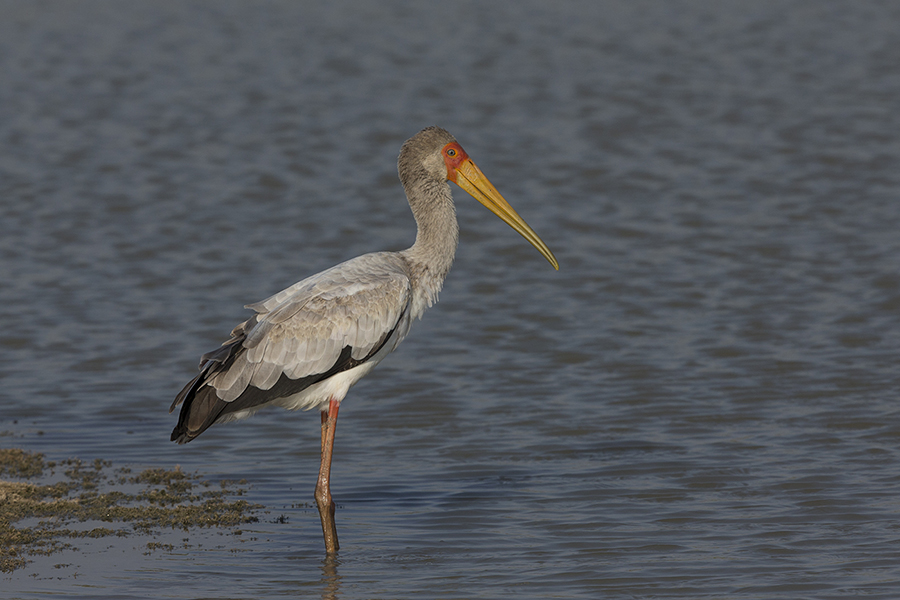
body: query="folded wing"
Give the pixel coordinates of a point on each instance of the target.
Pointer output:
(321, 326)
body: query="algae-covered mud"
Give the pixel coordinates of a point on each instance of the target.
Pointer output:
(46, 506)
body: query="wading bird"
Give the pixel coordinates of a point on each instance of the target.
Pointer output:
(307, 345)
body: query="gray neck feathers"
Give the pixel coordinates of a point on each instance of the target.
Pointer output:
(438, 232)
(424, 176)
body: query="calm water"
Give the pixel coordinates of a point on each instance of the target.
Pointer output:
(702, 403)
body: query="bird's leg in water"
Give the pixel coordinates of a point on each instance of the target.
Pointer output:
(323, 487)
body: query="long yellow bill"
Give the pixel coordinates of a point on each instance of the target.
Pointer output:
(470, 178)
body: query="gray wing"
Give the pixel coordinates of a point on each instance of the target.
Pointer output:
(321, 326)
(303, 330)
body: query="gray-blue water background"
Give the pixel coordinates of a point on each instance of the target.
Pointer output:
(702, 403)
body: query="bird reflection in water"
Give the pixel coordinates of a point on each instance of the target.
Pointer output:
(331, 580)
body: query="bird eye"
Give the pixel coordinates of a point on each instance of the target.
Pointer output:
(451, 152)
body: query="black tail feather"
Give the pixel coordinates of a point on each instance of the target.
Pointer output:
(201, 406)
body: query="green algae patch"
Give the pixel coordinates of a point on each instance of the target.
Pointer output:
(61, 502)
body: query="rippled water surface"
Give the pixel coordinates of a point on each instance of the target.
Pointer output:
(702, 402)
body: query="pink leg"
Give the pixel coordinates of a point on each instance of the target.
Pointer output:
(323, 487)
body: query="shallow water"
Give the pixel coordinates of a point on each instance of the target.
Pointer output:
(702, 403)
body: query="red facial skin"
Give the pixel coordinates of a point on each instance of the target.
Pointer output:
(454, 156)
